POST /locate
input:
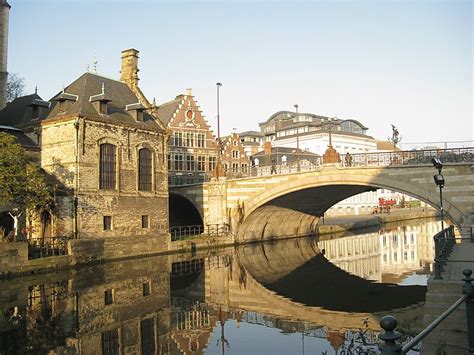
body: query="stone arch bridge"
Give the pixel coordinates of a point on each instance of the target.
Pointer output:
(291, 204)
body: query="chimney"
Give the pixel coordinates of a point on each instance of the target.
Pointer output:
(129, 72)
(189, 92)
(4, 15)
(267, 146)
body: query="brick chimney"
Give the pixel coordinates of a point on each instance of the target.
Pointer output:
(4, 14)
(129, 72)
(267, 146)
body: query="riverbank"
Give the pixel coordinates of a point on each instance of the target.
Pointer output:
(341, 224)
(84, 252)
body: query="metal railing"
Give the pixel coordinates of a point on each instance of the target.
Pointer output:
(45, 247)
(390, 335)
(396, 158)
(210, 230)
(444, 242)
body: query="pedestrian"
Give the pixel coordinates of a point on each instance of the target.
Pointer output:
(348, 159)
(273, 169)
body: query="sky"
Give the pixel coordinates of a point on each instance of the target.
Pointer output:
(407, 63)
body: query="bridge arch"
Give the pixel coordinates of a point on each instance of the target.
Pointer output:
(183, 211)
(416, 182)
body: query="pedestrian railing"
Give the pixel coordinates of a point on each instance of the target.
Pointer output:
(45, 247)
(395, 158)
(210, 230)
(390, 335)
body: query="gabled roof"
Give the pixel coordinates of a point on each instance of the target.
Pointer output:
(18, 112)
(251, 133)
(168, 109)
(21, 138)
(116, 92)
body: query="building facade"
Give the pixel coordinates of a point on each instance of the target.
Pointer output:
(312, 132)
(192, 149)
(233, 156)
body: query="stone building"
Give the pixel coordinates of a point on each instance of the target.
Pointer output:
(4, 15)
(102, 141)
(233, 155)
(192, 150)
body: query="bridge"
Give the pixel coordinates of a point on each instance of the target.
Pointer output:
(256, 206)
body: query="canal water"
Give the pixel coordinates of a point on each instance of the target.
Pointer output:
(315, 295)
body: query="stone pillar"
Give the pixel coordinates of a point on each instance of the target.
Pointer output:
(4, 14)
(129, 71)
(217, 202)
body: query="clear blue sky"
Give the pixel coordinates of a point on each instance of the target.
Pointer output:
(403, 62)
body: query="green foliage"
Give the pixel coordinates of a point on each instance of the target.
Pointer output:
(22, 183)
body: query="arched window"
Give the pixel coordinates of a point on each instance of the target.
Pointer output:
(108, 166)
(144, 170)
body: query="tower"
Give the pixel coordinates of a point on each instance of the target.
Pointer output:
(4, 13)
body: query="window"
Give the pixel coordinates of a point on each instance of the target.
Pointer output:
(189, 163)
(147, 337)
(178, 162)
(146, 288)
(201, 163)
(212, 163)
(200, 142)
(168, 158)
(110, 342)
(235, 143)
(109, 296)
(235, 167)
(190, 140)
(107, 166)
(107, 223)
(145, 221)
(144, 170)
(244, 168)
(235, 154)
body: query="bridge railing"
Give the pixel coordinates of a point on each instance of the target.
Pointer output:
(409, 157)
(390, 335)
(395, 158)
(210, 230)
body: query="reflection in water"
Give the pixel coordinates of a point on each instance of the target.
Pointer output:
(277, 298)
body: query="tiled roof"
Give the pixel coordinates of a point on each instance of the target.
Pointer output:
(18, 112)
(119, 94)
(167, 109)
(21, 138)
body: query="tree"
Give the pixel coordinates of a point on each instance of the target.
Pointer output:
(22, 183)
(15, 86)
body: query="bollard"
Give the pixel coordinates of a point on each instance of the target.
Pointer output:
(390, 336)
(469, 290)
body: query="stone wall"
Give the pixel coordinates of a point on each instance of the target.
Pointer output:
(125, 204)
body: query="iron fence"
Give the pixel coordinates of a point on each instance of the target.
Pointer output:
(396, 158)
(210, 230)
(390, 335)
(45, 247)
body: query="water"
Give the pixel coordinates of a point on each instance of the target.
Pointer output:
(284, 297)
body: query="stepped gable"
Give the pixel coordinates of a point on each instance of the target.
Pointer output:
(183, 112)
(117, 94)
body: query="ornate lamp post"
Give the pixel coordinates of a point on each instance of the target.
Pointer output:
(218, 165)
(439, 181)
(298, 165)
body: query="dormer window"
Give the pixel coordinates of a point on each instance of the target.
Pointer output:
(100, 101)
(65, 101)
(37, 106)
(136, 111)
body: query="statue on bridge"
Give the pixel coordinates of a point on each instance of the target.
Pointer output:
(395, 136)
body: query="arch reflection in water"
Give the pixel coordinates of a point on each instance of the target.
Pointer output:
(226, 301)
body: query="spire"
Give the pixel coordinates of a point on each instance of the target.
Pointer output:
(94, 65)
(36, 90)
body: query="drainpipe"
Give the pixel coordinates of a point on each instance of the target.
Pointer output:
(76, 177)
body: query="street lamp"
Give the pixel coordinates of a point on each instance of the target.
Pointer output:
(298, 166)
(439, 181)
(218, 165)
